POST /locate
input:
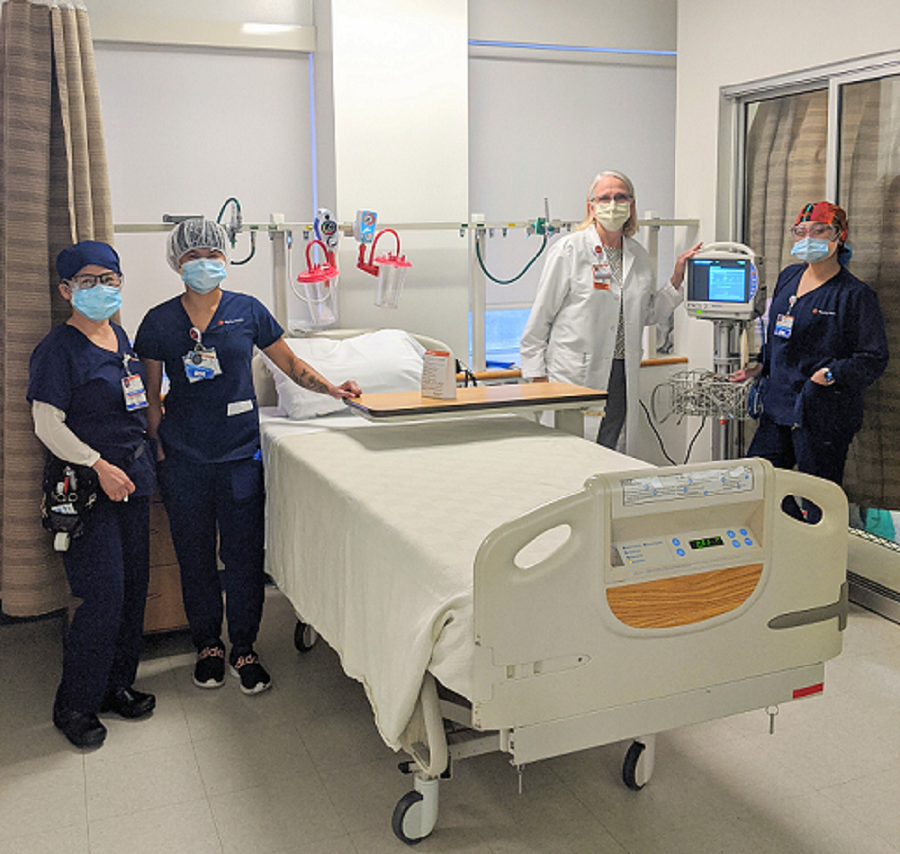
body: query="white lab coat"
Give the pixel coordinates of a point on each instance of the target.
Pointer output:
(571, 332)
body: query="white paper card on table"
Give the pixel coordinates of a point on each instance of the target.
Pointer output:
(438, 375)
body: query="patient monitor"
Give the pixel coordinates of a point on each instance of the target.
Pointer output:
(722, 282)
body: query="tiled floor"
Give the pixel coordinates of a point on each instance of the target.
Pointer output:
(301, 768)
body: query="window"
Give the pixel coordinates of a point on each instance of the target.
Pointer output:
(827, 133)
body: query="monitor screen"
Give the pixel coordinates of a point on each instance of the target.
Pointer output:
(723, 280)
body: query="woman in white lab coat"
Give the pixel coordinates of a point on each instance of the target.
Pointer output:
(597, 292)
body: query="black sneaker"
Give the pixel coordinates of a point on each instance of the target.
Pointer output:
(253, 675)
(209, 671)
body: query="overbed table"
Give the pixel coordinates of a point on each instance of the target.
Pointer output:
(568, 401)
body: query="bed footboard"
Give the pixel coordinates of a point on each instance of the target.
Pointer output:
(681, 596)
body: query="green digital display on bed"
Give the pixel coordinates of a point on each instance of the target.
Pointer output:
(706, 542)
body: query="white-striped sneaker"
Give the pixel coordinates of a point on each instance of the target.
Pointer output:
(254, 677)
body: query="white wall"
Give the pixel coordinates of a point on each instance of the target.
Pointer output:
(298, 12)
(545, 129)
(187, 129)
(398, 126)
(727, 43)
(542, 124)
(646, 24)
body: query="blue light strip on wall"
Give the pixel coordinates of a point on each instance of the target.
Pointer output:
(570, 48)
(312, 134)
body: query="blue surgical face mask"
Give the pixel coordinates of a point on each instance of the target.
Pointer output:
(203, 274)
(811, 249)
(98, 303)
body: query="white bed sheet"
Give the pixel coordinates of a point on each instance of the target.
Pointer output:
(372, 532)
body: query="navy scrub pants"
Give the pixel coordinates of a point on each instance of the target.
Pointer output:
(616, 406)
(813, 452)
(108, 568)
(225, 503)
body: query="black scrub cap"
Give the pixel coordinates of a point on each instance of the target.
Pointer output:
(71, 260)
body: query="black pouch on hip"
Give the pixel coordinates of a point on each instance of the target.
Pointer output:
(69, 493)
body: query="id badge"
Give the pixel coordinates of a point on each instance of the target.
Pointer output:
(134, 391)
(784, 325)
(201, 364)
(602, 276)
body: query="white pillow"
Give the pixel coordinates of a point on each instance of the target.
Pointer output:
(382, 361)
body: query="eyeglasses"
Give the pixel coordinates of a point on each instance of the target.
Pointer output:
(813, 229)
(618, 198)
(86, 282)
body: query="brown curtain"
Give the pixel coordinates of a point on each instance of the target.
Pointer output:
(785, 169)
(54, 190)
(870, 190)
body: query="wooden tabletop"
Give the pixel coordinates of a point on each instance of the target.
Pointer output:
(412, 404)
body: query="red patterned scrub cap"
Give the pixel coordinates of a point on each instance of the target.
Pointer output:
(829, 214)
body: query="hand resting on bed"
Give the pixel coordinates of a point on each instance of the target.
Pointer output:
(305, 375)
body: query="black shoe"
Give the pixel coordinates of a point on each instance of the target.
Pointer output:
(83, 729)
(253, 675)
(209, 671)
(128, 703)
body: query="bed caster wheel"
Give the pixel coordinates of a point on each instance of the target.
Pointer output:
(638, 765)
(305, 636)
(404, 821)
(416, 812)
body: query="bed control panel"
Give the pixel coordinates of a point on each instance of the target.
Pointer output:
(704, 518)
(685, 552)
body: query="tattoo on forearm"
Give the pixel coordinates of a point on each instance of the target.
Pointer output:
(308, 379)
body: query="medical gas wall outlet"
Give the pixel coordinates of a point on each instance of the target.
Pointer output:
(364, 226)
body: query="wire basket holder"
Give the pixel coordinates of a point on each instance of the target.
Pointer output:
(706, 394)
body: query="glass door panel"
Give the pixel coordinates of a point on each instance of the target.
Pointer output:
(869, 189)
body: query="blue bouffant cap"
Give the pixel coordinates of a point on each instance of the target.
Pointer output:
(71, 260)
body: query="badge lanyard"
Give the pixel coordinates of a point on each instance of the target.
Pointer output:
(133, 386)
(602, 272)
(200, 363)
(784, 323)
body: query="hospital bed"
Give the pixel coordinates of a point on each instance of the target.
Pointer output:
(498, 585)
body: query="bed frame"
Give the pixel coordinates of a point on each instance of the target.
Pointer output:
(637, 649)
(671, 596)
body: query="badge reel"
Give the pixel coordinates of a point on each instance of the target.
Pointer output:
(133, 387)
(784, 323)
(201, 363)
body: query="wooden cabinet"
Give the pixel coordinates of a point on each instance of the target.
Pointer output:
(164, 610)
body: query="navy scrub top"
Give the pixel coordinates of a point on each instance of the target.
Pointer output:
(838, 325)
(214, 420)
(73, 374)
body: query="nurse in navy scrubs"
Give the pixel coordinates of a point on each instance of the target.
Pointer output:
(825, 344)
(210, 467)
(86, 389)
